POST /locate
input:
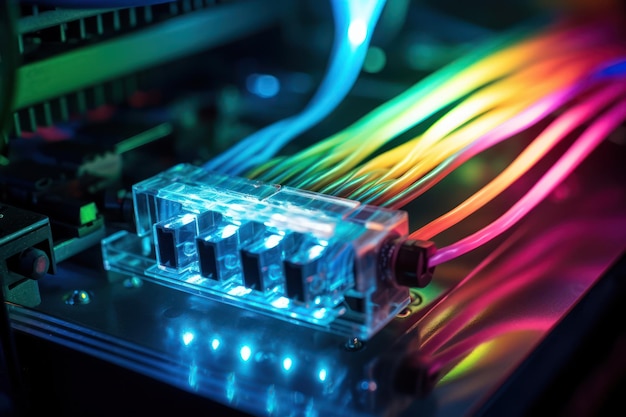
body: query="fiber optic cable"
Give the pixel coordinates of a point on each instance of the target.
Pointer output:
(472, 130)
(511, 127)
(510, 88)
(593, 136)
(350, 157)
(390, 108)
(421, 101)
(594, 76)
(455, 142)
(352, 184)
(476, 104)
(355, 21)
(315, 182)
(378, 191)
(459, 138)
(516, 124)
(549, 138)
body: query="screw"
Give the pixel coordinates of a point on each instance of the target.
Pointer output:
(404, 313)
(133, 282)
(416, 298)
(354, 344)
(77, 297)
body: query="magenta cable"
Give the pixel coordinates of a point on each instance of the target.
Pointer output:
(582, 147)
(541, 145)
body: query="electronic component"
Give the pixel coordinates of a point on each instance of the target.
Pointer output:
(300, 290)
(26, 254)
(290, 253)
(73, 215)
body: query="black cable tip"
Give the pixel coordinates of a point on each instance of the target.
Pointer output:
(33, 263)
(407, 261)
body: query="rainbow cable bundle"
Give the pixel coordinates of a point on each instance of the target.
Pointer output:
(570, 72)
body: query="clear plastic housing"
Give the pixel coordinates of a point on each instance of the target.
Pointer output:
(293, 254)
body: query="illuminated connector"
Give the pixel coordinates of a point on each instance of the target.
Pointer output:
(293, 254)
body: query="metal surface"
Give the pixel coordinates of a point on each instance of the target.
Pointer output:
(481, 318)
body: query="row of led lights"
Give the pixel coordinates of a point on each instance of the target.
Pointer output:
(245, 353)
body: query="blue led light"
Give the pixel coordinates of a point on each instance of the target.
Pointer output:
(188, 338)
(286, 252)
(287, 363)
(215, 343)
(245, 352)
(322, 375)
(281, 302)
(263, 85)
(319, 313)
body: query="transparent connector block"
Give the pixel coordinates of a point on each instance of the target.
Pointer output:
(296, 255)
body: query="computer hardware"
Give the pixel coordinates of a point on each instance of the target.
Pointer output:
(218, 202)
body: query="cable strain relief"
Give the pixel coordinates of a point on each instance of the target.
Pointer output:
(407, 261)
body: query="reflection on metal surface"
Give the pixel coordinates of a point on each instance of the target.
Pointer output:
(481, 317)
(503, 308)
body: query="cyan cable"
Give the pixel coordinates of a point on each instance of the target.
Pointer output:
(355, 21)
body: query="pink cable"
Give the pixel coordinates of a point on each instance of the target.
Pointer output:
(541, 145)
(582, 147)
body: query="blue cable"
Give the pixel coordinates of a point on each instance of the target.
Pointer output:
(355, 21)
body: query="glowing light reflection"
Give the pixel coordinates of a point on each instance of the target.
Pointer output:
(322, 375)
(245, 353)
(188, 338)
(239, 291)
(263, 85)
(287, 363)
(229, 230)
(320, 313)
(272, 241)
(357, 32)
(281, 302)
